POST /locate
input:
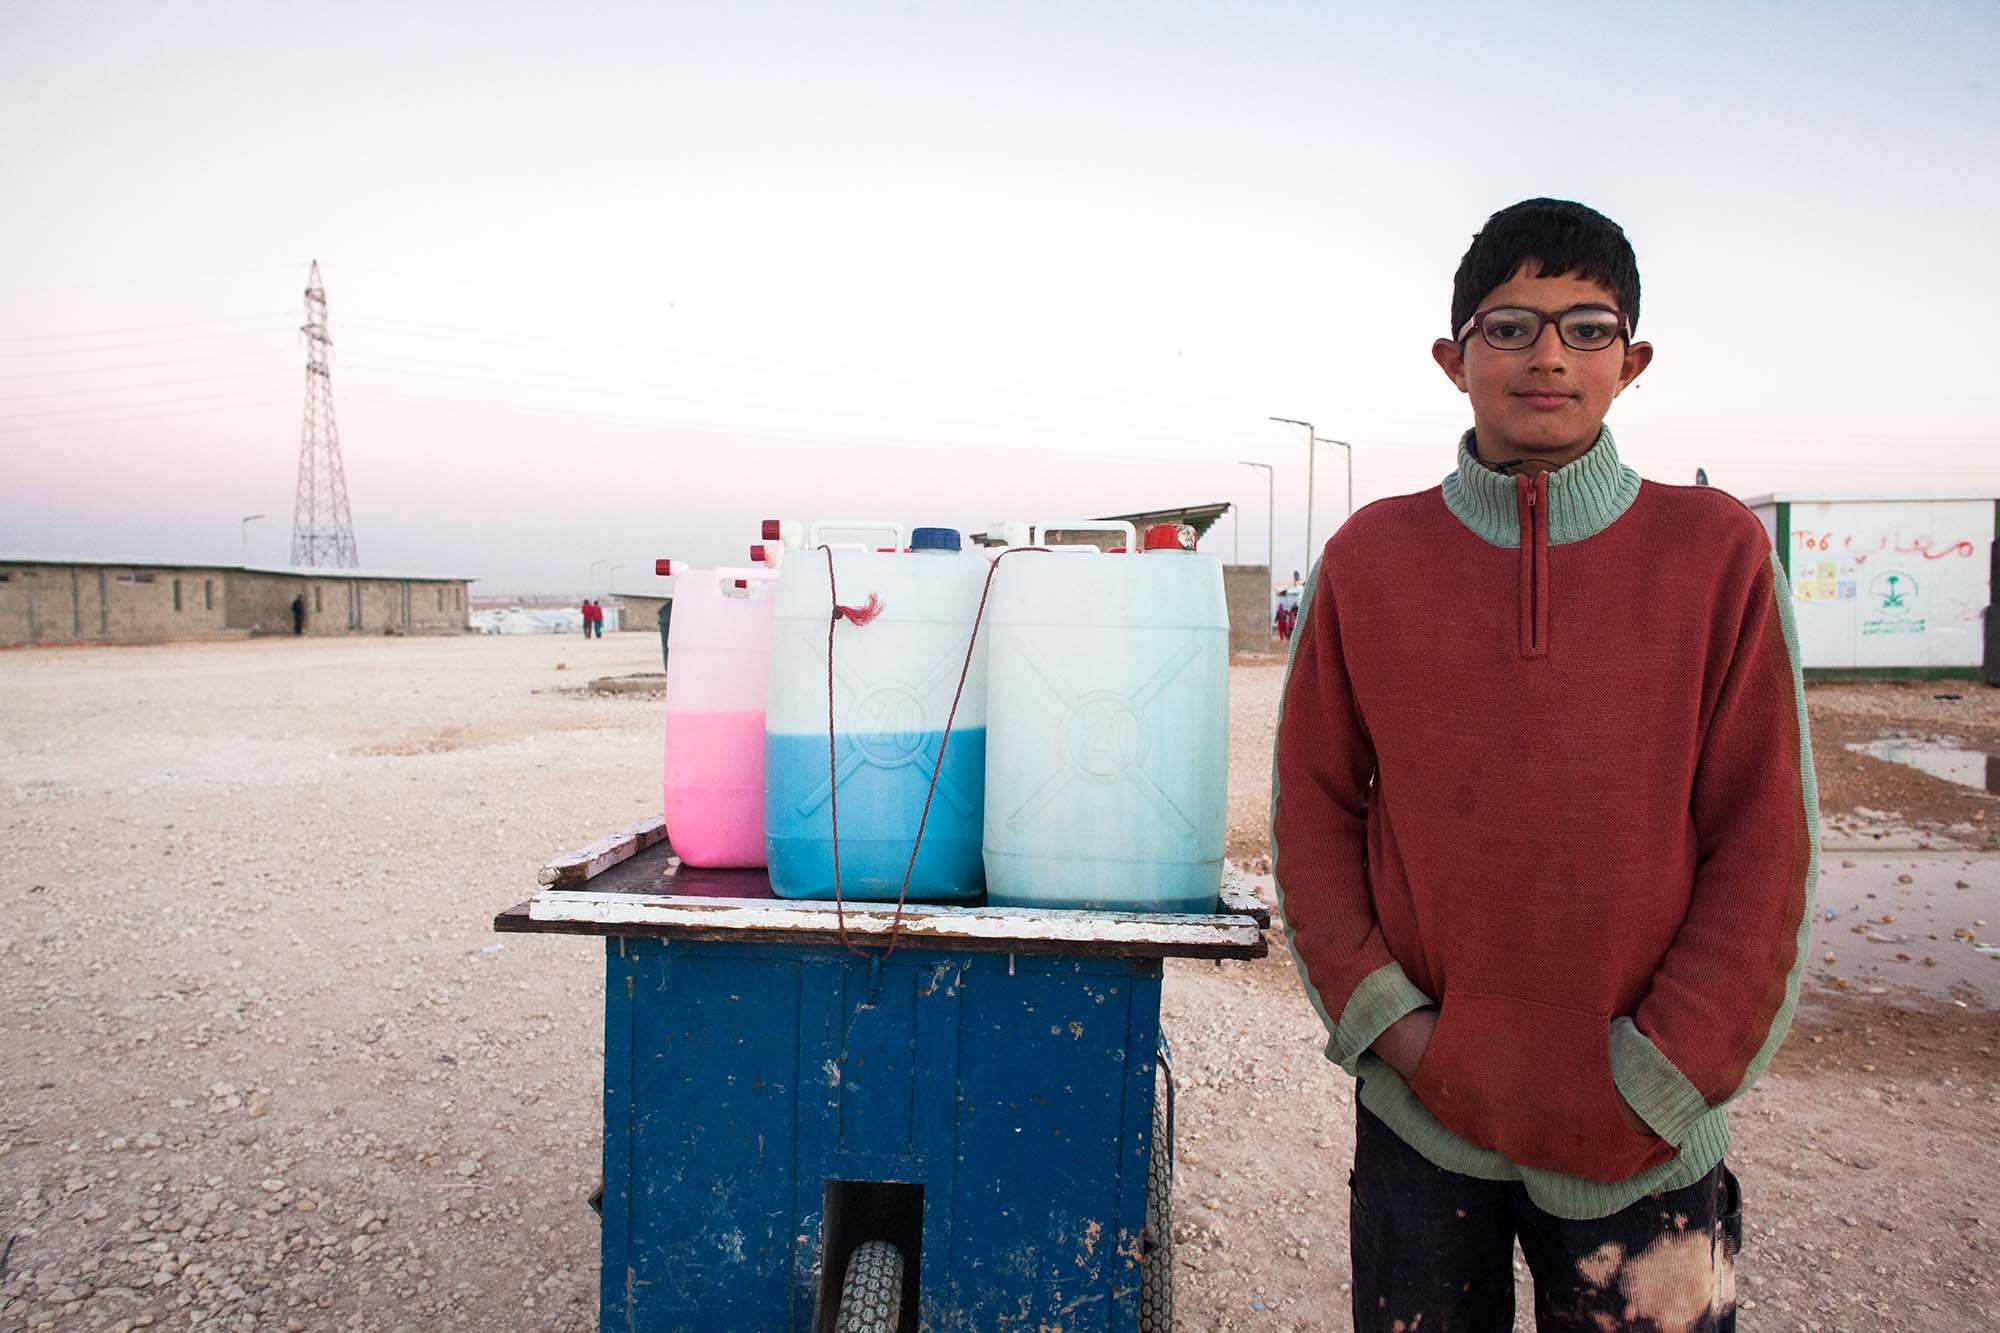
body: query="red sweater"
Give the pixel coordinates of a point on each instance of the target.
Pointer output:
(1561, 788)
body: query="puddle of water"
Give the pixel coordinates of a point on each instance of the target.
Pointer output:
(1940, 756)
(1922, 926)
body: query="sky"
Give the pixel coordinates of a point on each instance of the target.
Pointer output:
(612, 285)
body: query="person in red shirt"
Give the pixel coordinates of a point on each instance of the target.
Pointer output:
(1545, 830)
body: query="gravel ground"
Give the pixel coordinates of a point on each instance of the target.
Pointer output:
(268, 1069)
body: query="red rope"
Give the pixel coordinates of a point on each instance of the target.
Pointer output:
(862, 617)
(832, 755)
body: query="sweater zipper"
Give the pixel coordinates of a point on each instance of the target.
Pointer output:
(1534, 514)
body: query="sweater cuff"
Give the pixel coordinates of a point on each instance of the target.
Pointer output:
(1383, 996)
(1656, 1090)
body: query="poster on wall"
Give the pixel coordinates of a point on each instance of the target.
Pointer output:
(1891, 583)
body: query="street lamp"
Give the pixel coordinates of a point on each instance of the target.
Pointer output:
(1312, 459)
(248, 519)
(592, 577)
(1350, 470)
(1270, 519)
(611, 579)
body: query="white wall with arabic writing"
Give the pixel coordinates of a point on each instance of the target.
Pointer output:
(1888, 583)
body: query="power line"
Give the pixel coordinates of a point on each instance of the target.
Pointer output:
(180, 382)
(160, 402)
(455, 332)
(143, 365)
(143, 328)
(126, 347)
(79, 424)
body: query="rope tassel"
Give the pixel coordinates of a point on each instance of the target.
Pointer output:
(856, 615)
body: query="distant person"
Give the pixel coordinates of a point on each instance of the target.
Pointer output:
(299, 614)
(1546, 849)
(589, 616)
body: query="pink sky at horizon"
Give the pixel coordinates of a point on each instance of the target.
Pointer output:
(621, 291)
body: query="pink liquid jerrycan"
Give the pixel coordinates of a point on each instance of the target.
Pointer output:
(718, 670)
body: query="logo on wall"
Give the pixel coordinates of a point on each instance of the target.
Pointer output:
(1892, 604)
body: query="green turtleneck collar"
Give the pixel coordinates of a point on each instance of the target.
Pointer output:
(1586, 495)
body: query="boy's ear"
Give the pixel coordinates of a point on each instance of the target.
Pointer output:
(1450, 357)
(1637, 357)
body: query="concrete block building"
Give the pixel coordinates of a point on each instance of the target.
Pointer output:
(639, 612)
(62, 599)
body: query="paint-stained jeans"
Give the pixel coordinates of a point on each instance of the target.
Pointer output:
(1434, 1252)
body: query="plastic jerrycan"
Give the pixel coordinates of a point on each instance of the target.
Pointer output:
(718, 670)
(892, 684)
(1107, 760)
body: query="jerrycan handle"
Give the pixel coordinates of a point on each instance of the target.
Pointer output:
(852, 525)
(734, 581)
(1043, 529)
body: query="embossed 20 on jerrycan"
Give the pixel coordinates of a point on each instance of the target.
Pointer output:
(893, 679)
(718, 669)
(1107, 760)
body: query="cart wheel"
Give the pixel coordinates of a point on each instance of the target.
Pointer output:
(1156, 1267)
(871, 1299)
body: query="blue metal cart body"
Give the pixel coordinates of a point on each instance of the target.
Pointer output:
(985, 1090)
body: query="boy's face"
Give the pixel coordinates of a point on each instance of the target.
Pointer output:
(1544, 402)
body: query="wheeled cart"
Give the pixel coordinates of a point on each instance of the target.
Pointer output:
(963, 1133)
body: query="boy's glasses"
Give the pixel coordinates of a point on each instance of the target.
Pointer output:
(1583, 328)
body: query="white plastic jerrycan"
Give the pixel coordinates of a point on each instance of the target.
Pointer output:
(718, 675)
(1107, 761)
(896, 667)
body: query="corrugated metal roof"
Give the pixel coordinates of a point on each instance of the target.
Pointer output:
(319, 572)
(1199, 517)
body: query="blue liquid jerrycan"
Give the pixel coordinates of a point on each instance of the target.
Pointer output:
(896, 667)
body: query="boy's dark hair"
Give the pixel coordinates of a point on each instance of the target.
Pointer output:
(1565, 237)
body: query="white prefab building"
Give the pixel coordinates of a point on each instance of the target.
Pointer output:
(1888, 585)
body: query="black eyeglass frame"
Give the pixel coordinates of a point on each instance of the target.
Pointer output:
(1555, 317)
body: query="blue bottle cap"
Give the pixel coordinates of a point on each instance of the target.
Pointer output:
(934, 539)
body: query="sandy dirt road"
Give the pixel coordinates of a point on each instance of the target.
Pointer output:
(266, 1068)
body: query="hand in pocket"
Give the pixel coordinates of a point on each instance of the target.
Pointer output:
(1533, 1082)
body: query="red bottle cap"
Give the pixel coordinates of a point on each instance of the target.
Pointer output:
(743, 583)
(772, 530)
(757, 554)
(1170, 537)
(663, 568)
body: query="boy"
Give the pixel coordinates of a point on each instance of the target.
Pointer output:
(1545, 829)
